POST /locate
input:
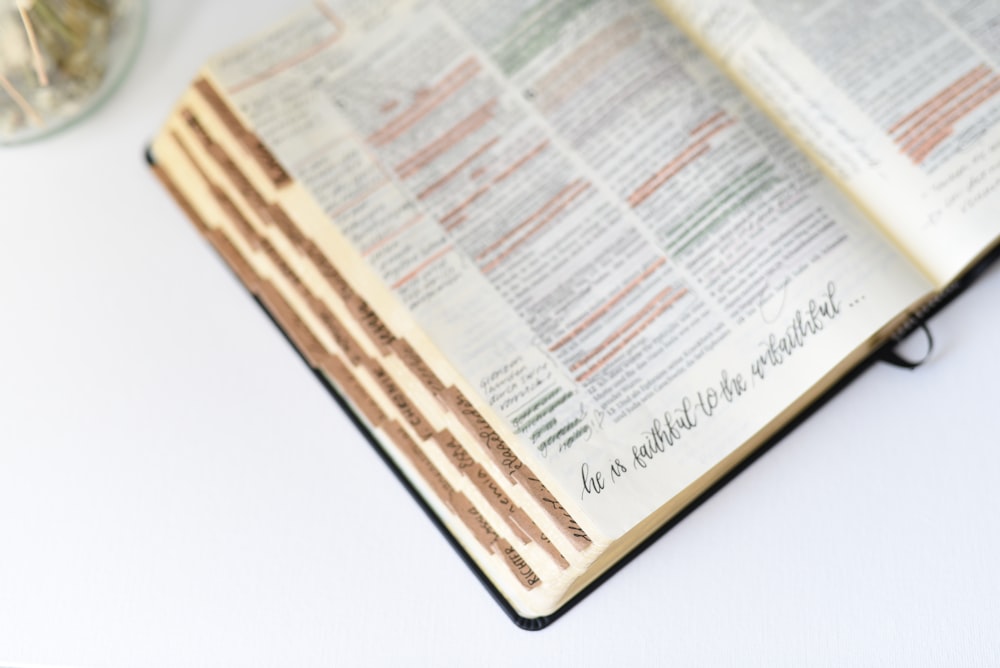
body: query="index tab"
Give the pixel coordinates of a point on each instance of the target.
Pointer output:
(253, 145)
(348, 383)
(521, 569)
(306, 343)
(407, 409)
(415, 363)
(428, 471)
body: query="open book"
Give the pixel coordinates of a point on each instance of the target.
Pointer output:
(571, 263)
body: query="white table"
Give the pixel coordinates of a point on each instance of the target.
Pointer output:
(176, 489)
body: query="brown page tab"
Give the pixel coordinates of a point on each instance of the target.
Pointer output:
(531, 529)
(454, 451)
(286, 271)
(492, 541)
(428, 471)
(475, 522)
(307, 344)
(344, 339)
(287, 227)
(518, 566)
(405, 352)
(235, 216)
(348, 383)
(180, 198)
(224, 247)
(257, 150)
(409, 412)
(497, 499)
(372, 324)
(333, 277)
(556, 511)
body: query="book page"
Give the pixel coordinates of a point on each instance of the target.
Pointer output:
(895, 98)
(633, 271)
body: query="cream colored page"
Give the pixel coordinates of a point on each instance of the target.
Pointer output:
(895, 98)
(625, 260)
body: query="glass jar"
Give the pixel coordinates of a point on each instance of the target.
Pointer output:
(59, 59)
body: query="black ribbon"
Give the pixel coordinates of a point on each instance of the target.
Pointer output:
(892, 356)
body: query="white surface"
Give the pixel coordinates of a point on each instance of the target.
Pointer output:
(176, 489)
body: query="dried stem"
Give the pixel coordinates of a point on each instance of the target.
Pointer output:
(43, 77)
(28, 110)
